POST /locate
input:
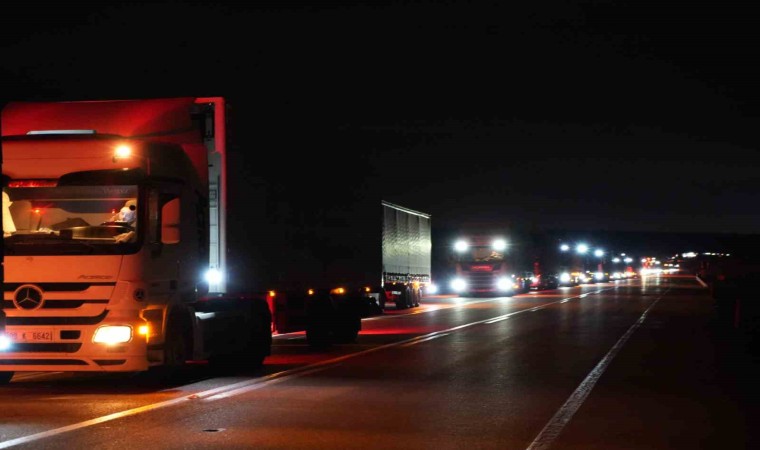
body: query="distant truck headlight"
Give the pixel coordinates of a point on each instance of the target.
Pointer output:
(431, 288)
(504, 284)
(499, 245)
(461, 246)
(5, 342)
(458, 285)
(565, 277)
(112, 334)
(599, 275)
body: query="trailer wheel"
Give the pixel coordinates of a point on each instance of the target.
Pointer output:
(259, 344)
(5, 377)
(404, 300)
(319, 316)
(346, 326)
(345, 334)
(416, 296)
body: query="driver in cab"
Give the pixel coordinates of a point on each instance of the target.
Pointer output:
(128, 215)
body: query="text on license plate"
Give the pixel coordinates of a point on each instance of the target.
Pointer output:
(30, 335)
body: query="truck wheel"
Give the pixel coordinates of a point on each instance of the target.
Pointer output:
(319, 317)
(318, 335)
(5, 377)
(416, 296)
(404, 301)
(346, 335)
(346, 326)
(250, 358)
(176, 350)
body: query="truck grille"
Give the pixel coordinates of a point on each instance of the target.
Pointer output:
(58, 304)
(478, 281)
(56, 287)
(56, 320)
(53, 347)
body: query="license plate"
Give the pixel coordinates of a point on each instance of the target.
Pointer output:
(30, 335)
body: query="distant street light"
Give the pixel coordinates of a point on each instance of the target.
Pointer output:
(564, 247)
(616, 260)
(599, 253)
(581, 248)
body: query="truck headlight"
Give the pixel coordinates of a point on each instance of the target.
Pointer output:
(599, 275)
(112, 334)
(458, 284)
(565, 277)
(461, 246)
(5, 342)
(504, 284)
(431, 288)
(213, 276)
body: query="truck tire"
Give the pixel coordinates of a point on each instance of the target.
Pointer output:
(319, 316)
(416, 296)
(251, 357)
(252, 345)
(259, 344)
(5, 377)
(381, 298)
(346, 325)
(404, 300)
(177, 350)
(345, 333)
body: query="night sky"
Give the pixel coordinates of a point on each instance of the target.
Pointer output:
(615, 116)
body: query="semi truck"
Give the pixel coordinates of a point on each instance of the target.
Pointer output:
(484, 264)
(114, 233)
(325, 273)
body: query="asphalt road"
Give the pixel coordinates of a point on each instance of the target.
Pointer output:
(637, 364)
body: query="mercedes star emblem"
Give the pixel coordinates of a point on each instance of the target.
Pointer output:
(28, 297)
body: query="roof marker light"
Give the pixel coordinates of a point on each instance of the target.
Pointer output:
(121, 152)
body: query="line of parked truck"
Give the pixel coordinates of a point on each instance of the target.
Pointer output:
(484, 263)
(117, 246)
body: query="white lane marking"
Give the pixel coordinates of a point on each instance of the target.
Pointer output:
(408, 344)
(538, 308)
(498, 319)
(255, 384)
(426, 309)
(563, 415)
(146, 408)
(246, 386)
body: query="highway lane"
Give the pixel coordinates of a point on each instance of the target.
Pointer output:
(626, 365)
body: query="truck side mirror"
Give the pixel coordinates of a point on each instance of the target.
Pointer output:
(170, 217)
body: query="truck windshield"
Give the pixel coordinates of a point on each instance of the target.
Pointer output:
(481, 254)
(70, 220)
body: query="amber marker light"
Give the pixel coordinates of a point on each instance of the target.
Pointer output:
(122, 152)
